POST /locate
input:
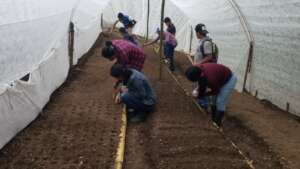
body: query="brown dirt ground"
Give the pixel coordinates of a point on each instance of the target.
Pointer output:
(79, 128)
(258, 127)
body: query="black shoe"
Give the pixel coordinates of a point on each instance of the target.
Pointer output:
(130, 113)
(218, 118)
(138, 118)
(172, 68)
(213, 108)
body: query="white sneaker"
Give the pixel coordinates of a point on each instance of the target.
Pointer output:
(166, 61)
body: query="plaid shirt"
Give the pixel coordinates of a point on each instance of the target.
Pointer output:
(129, 54)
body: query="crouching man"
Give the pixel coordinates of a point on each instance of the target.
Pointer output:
(136, 93)
(213, 80)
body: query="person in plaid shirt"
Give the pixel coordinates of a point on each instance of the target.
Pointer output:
(125, 53)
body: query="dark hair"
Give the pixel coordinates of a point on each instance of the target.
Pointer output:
(108, 50)
(118, 70)
(193, 73)
(200, 28)
(123, 30)
(120, 15)
(167, 19)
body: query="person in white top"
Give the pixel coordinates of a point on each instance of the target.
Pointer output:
(204, 52)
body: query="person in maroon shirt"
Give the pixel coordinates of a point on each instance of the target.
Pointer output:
(125, 53)
(213, 80)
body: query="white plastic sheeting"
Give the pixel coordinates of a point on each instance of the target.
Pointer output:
(275, 72)
(34, 39)
(87, 20)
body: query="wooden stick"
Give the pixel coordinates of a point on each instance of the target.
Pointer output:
(161, 38)
(148, 20)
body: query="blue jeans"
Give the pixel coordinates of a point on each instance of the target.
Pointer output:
(136, 104)
(169, 50)
(222, 99)
(169, 53)
(203, 102)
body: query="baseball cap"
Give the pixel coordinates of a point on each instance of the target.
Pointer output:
(201, 28)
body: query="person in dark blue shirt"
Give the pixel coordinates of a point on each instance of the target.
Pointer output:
(170, 26)
(125, 20)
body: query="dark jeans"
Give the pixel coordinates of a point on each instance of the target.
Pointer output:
(203, 102)
(135, 104)
(169, 53)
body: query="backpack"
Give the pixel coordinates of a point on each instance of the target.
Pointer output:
(215, 49)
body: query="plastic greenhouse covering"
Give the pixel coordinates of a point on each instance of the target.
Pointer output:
(34, 40)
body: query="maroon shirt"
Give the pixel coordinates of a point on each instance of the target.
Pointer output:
(216, 76)
(129, 54)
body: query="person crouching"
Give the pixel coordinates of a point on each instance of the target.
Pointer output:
(136, 93)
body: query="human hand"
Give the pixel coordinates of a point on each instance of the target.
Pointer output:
(124, 89)
(195, 93)
(118, 98)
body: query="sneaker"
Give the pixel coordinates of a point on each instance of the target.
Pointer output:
(166, 61)
(216, 125)
(130, 113)
(139, 117)
(136, 119)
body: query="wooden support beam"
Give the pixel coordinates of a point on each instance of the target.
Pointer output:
(161, 38)
(71, 43)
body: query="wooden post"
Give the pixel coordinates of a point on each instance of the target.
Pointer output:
(102, 24)
(148, 20)
(191, 40)
(256, 94)
(249, 65)
(71, 44)
(288, 107)
(161, 38)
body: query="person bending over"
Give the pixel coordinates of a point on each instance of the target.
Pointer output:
(126, 21)
(136, 93)
(124, 53)
(170, 44)
(213, 80)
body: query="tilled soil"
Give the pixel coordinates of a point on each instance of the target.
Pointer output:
(77, 129)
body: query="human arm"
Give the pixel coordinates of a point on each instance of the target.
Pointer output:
(207, 58)
(202, 86)
(152, 42)
(114, 26)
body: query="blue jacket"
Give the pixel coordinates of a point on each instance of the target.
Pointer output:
(138, 85)
(125, 21)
